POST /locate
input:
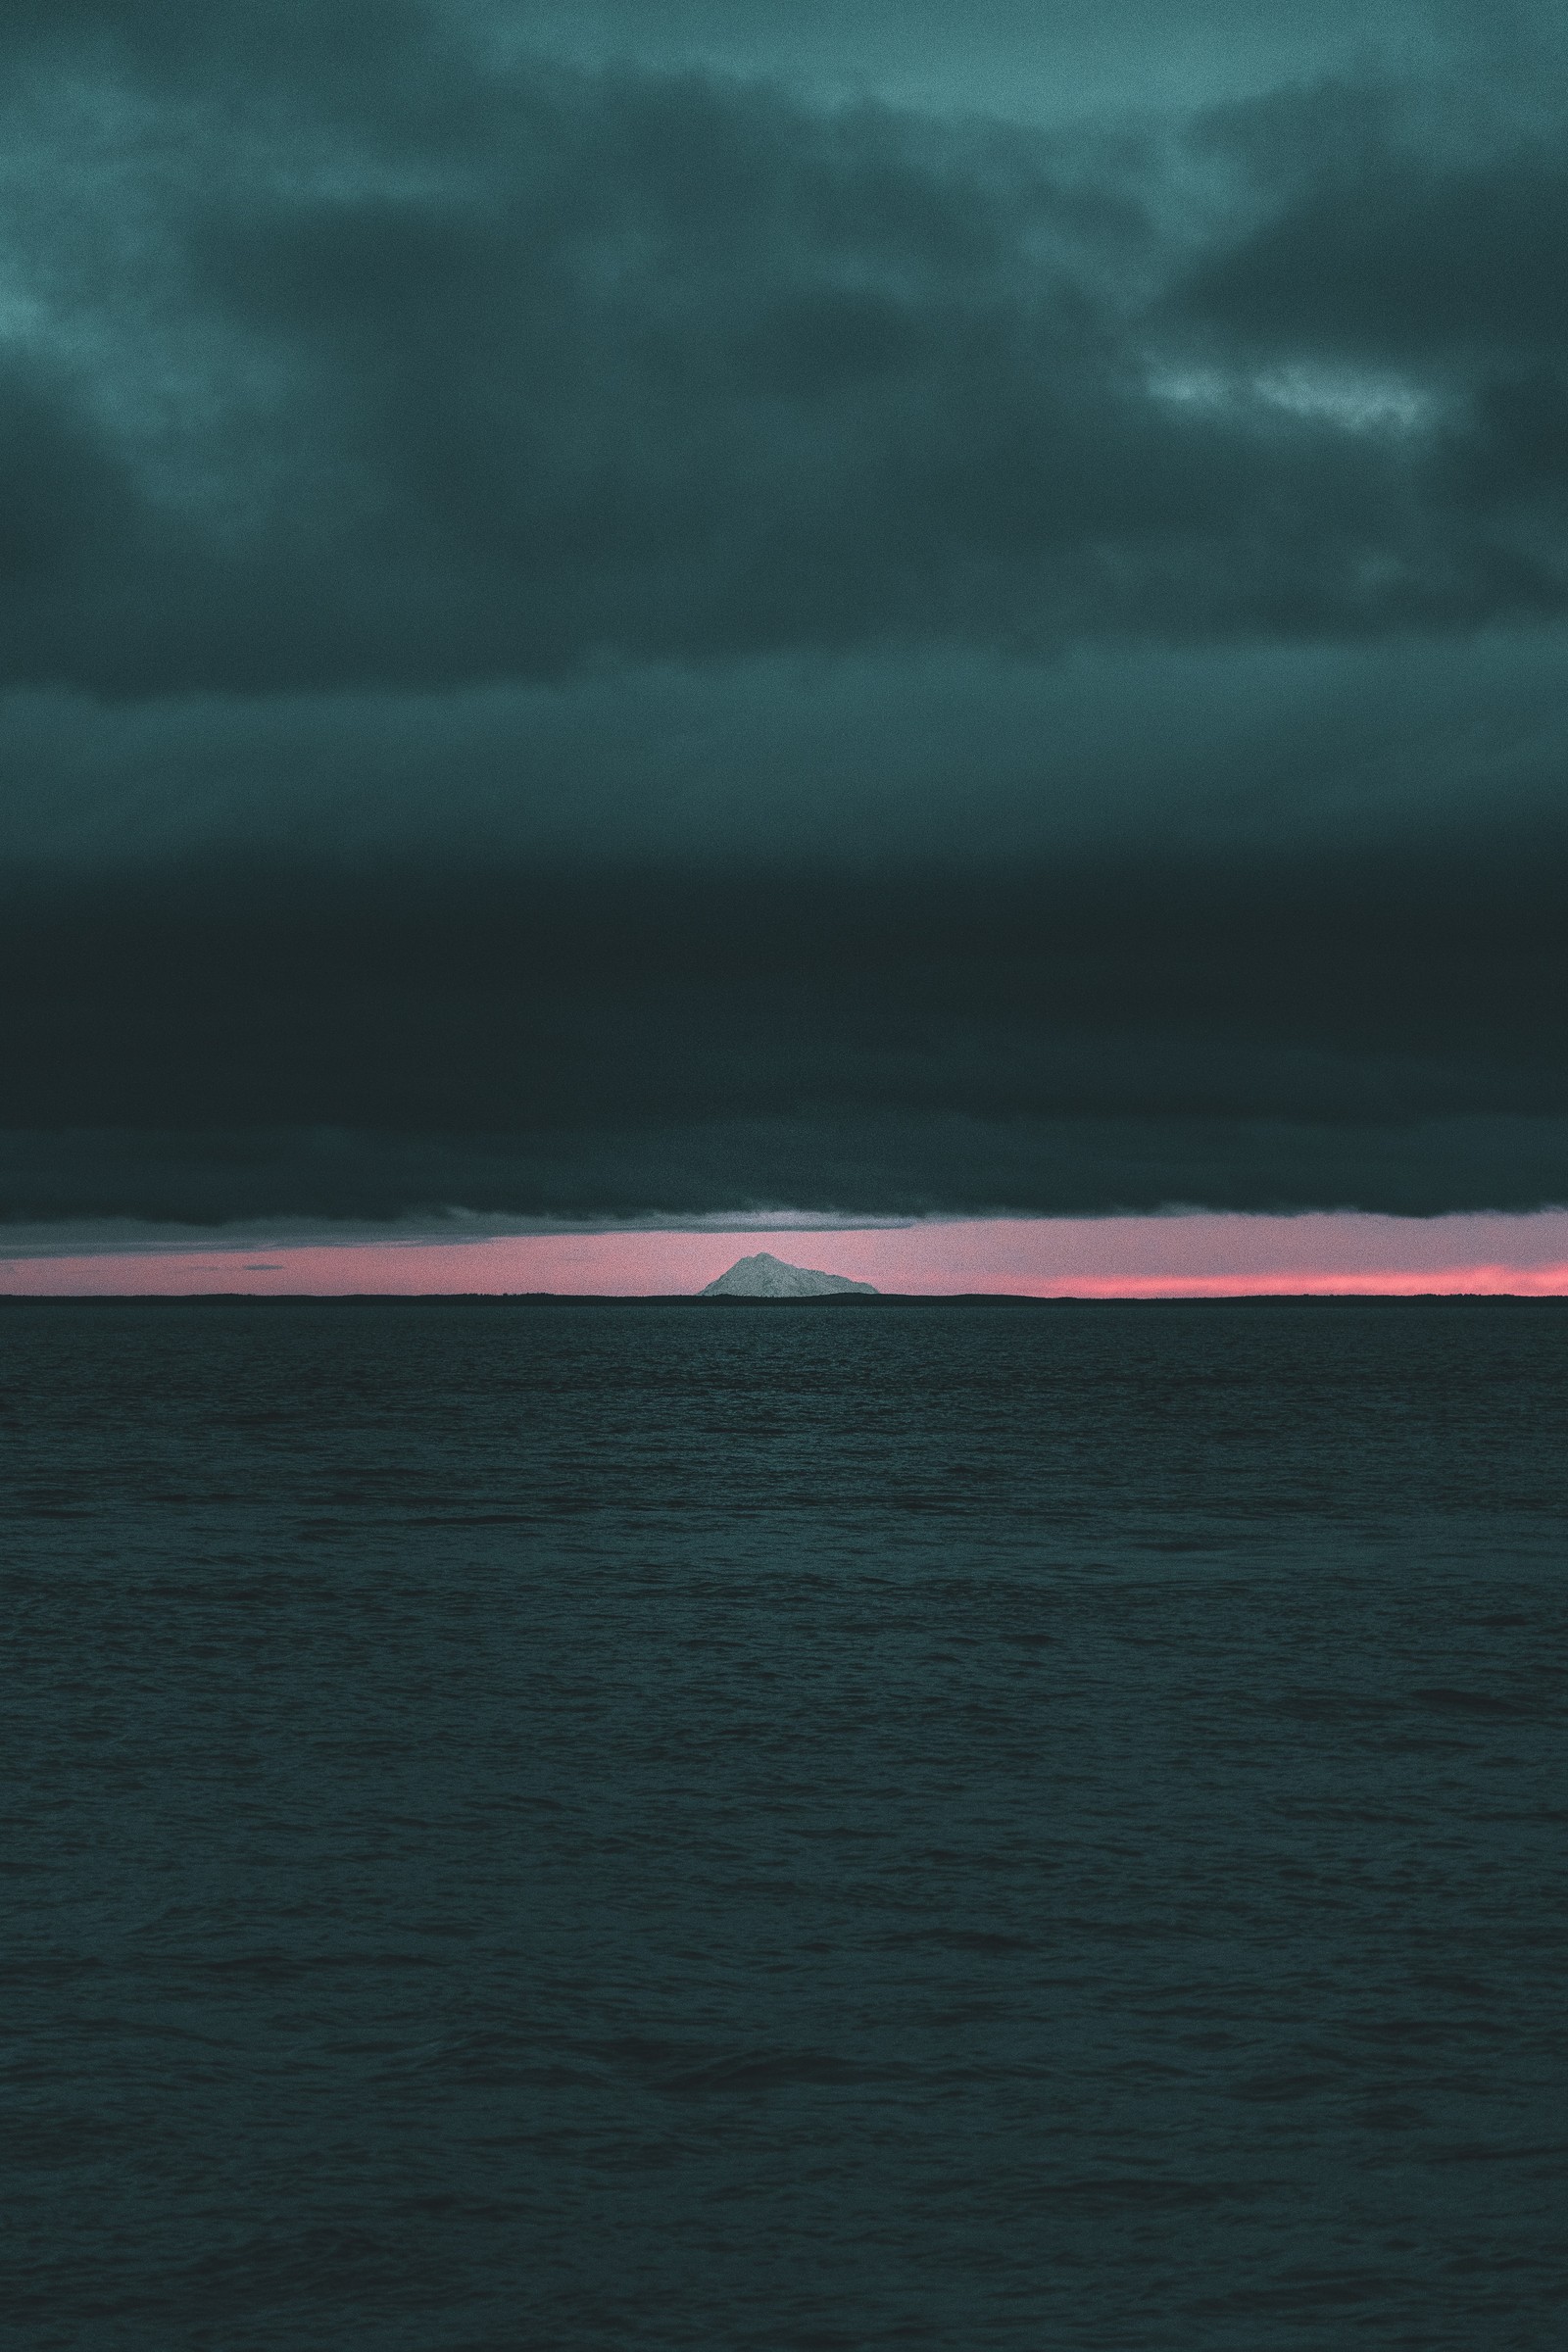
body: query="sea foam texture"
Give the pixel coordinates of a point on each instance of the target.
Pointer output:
(767, 1277)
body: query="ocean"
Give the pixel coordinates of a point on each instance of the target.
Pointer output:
(602, 1824)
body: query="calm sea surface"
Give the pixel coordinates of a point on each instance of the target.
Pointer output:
(596, 1826)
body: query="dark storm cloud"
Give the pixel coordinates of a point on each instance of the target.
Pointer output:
(487, 376)
(64, 500)
(1396, 258)
(1111, 1031)
(582, 643)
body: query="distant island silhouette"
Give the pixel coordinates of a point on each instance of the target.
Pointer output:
(764, 1276)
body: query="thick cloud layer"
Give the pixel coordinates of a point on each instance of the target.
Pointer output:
(610, 640)
(528, 370)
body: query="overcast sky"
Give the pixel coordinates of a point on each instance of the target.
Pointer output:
(669, 608)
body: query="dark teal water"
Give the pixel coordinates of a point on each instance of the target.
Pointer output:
(617, 1826)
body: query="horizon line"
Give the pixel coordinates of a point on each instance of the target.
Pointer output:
(1218, 1294)
(1196, 1256)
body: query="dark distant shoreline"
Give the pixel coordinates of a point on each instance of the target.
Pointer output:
(834, 1303)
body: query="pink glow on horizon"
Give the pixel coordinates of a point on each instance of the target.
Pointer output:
(1114, 1258)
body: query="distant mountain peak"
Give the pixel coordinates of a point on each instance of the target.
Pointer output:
(764, 1276)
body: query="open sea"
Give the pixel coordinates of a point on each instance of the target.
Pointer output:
(604, 1824)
